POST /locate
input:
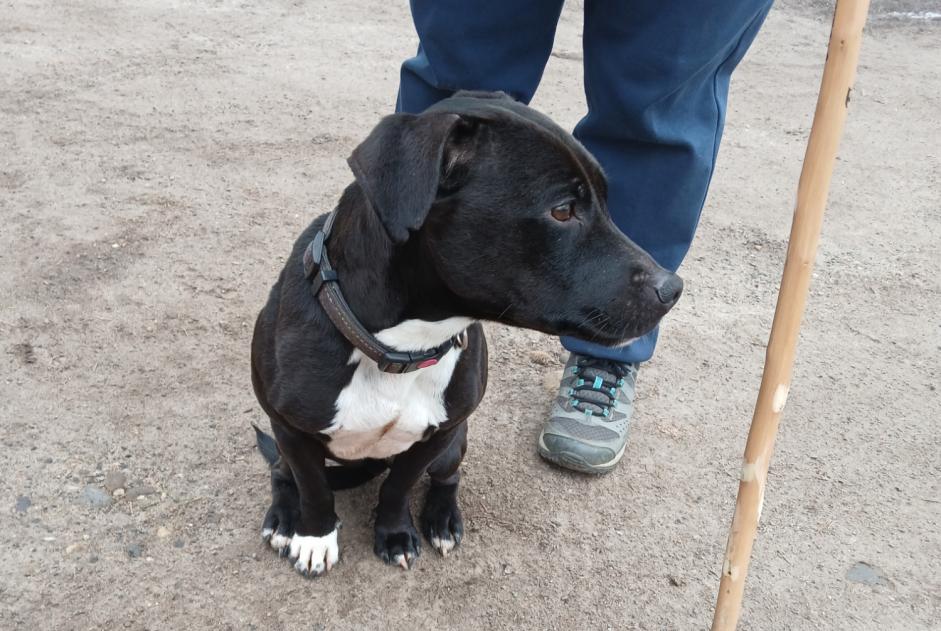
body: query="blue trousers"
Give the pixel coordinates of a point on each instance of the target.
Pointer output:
(656, 81)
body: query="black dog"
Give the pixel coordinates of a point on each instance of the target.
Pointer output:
(372, 357)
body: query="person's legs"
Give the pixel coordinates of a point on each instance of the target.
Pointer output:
(477, 46)
(657, 80)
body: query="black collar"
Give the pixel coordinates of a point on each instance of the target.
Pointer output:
(326, 288)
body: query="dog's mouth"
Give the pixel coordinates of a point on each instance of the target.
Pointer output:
(600, 327)
(616, 319)
(590, 324)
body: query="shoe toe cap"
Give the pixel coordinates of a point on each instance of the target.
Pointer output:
(563, 447)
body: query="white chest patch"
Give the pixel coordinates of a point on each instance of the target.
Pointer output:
(380, 414)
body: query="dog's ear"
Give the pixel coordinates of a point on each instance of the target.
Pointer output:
(402, 163)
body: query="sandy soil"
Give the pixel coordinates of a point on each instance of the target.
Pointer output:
(156, 162)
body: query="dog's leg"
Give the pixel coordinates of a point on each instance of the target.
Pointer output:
(314, 547)
(285, 510)
(397, 542)
(441, 520)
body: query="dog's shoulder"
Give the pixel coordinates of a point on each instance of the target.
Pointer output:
(469, 379)
(299, 358)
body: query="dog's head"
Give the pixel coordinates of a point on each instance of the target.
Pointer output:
(509, 212)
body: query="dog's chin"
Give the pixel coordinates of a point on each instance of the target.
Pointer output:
(595, 336)
(606, 337)
(615, 336)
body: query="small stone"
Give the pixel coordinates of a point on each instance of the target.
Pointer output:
(118, 493)
(75, 547)
(163, 532)
(541, 357)
(134, 550)
(862, 572)
(178, 543)
(115, 480)
(93, 558)
(139, 491)
(95, 497)
(22, 504)
(675, 581)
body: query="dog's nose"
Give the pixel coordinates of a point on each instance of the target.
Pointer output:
(668, 286)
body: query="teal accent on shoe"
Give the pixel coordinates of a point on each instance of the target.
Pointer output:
(597, 384)
(581, 382)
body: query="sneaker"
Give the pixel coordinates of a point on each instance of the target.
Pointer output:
(587, 428)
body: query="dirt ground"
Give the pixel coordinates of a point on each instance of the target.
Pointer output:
(158, 159)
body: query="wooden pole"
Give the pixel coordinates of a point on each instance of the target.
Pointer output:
(838, 73)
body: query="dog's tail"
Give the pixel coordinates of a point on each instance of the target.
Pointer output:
(346, 476)
(267, 446)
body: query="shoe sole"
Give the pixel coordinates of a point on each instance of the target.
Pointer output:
(575, 462)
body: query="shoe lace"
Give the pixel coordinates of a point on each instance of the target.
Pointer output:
(595, 390)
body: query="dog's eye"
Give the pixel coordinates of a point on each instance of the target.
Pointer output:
(564, 212)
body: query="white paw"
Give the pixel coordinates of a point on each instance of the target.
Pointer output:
(313, 556)
(443, 545)
(277, 541)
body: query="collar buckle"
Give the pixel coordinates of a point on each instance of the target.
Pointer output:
(317, 266)
(313, 254)
(400, 362)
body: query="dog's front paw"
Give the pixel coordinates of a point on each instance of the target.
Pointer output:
(398, 546)
(278, 541)
(312, 555)
(441, 520)
(278, 527)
